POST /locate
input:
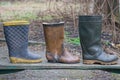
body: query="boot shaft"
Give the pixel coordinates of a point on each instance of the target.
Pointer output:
(90, 28)
(54, 37)
(16, 34)
(90, 35)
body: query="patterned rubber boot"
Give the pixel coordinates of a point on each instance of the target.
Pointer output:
(16, 35)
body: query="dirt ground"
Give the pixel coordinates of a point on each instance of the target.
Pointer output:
(59, 75)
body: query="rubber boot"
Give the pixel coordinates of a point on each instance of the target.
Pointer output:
(16, 34)
(90, 35)
(54, 38)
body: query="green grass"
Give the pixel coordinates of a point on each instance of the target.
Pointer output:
(20, 11)
(74, 41)
(5, 3)
(25, 11)
(47, 18)
(30, 10)
(18, 16)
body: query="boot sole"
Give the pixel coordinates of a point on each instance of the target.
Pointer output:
(20, 60)
(99, 62)
(51, 61)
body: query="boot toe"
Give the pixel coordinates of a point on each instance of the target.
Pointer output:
(29, 58)
(108, 57)
(34, 56)
(70, 60)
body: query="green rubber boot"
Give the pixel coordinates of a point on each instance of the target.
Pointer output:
(90, 35)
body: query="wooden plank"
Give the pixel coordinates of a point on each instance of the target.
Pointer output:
(45, 65)
(6, 65)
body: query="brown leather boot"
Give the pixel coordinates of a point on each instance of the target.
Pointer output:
(54, 38)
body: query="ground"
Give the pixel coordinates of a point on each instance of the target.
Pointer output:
(59, 75)
(10, 11)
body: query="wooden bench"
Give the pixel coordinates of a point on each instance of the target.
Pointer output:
(7, 67)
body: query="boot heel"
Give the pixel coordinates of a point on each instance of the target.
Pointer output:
(99, 62)
(52, 61)
(88, 61)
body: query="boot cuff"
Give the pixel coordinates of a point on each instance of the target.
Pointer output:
(89, 18)
(53, 24)
(15, 23)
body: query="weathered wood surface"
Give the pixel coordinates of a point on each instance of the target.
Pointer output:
(5, 64)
